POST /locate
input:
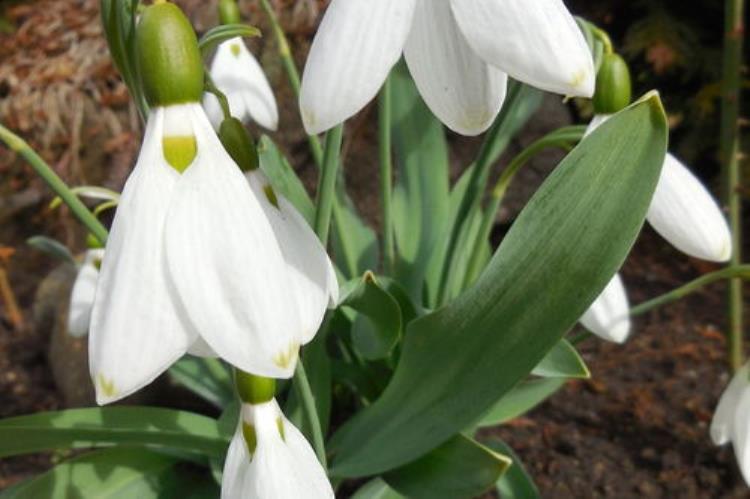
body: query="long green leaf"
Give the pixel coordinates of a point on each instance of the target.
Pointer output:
(81, 428)
(460, 468)
(119, 473)
(283, 178)
(563, 361)
(516, 482)
(376, 489)
(563, 249)
(521, 399)
(207, 378)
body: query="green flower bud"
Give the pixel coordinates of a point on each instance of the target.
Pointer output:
(169, 60)
(229, 12)
(238, 143)
(613, 87)
(254, 389)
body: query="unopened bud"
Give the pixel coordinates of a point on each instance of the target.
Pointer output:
(613, 86)
(229, 12)
(238, 143)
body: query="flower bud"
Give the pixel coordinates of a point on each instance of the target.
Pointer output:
(229, 12)
(613, 87)
(169, 60)
(238, 143)
(254, 389)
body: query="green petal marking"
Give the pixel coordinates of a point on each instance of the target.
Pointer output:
(106, 386)
(179, 151)
(271, 195)
(284, 359)
(280, 426)
(251, 439)
(235, 48)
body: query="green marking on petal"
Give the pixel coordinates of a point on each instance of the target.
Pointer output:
(280, 426)
(251, 439)
(286, 358)
(578, 78)
(179, 151)
(106, 386)
(235, 48)
(271, 195)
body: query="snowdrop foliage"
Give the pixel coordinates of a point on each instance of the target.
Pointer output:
(237, 73)
(459, 53)
(731, 422)
(82, 294)
(687, 216)
(269, 458)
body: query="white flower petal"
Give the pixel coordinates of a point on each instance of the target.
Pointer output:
(460, 89)
(282, 467)
(236, 467)
(82, 294)
(200, 348)
(136, 330)
(237, 73)
(537, 42)
(609, 316)
(308, 266)
(356, 45)
(226, 265)
(741, 432)
(723, 420)
(686, 215)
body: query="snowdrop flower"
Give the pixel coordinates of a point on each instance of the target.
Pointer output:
(82, 294)
(687, 216)
(238, 75)
(269, 458)
(609, 316)
(193, 263)
(459, 53)
(731, 422)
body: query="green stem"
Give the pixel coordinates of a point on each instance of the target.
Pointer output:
(327, 184)
(730, 156)
(562, 138)
(304, 392)
(292, 74)
(84, 215)
(220, 96)
(386, 173)
(738, 272)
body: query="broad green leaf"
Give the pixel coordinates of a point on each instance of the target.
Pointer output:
(376, 489)
(377, 325)
(521, 399)
(563, 361)
(95, 427)
(207, 378)
(420, 196)
(283, 178)
(460, 468)
(564, 247)
(224, 32)
(119, 473)
(52, 247)
(516, 482)
(354, 244)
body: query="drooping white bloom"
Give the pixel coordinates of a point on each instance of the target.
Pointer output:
(459, 53)
(687, 216)
(269, 458)
(731, 422)
(82, 294)
(609, 316)
(237, 73)
(194, 264)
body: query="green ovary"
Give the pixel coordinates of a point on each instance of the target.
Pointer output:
(179, 151)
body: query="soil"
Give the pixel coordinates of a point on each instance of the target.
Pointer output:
(638, 428)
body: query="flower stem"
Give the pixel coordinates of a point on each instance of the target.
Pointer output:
(730, 156)
(386, 173)
(304, 392)
(84, 215)
(292, 74)
(327, 183)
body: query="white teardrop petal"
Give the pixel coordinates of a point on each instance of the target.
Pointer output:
(82, 294)
(236, 467)
(537, 42)
(136, 330)
(461, 89)
(741, 432)
(609, 316)
(200, 348)
(237, 73)
(226, 266)
(723, 420)
(357, 44)
(308, 266)
(686, 215)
